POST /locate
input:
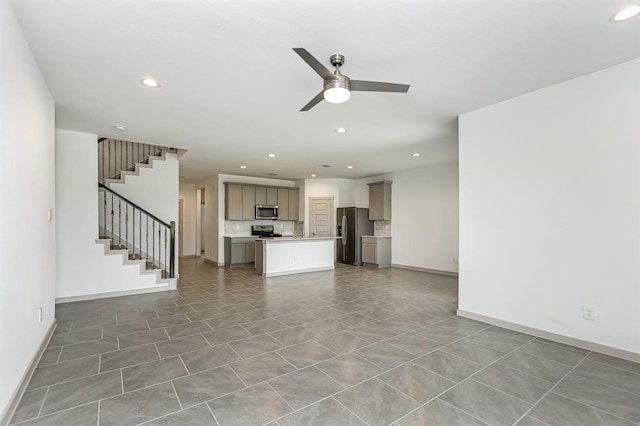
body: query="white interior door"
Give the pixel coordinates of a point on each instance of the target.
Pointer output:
(321, 217)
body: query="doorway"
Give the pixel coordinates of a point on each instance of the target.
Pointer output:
(321, 213)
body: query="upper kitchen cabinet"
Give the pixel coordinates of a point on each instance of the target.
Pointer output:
(272, 196)
(283, 204)
(240, 201)
(248, 202)
(261, 196)
(233, 202)
(380, 200)
(294, 204)
(266, 196)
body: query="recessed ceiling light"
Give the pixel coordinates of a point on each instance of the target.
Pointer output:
(349, 167)
(271, 155)
(416, 154)
(119, 127)
(627, 12)
(326, 166)
(243, 167)
(313, 175)
(341, 130)
(272, 174)
(149, 82)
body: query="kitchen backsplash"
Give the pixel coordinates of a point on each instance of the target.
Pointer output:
(236, 228)
(382, 228)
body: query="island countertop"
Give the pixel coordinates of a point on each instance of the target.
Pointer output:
(292, 239)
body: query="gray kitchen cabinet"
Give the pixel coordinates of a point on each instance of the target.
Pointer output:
(294, 204)
(248, 202)
(233, 202)
(376, 251)
(240, 201)
(380, 200)
(239, 250)
(250, 252)
(283, 204)
(261, 195)
(266, 196)
(238, 253)
(272, 196)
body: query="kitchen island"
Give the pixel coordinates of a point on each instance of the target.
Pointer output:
(294, 255)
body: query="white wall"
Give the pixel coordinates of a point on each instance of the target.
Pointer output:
(424, 215)
(549, 208)
(82, 267)
(27, 251)
(187, 192)
(155, 188)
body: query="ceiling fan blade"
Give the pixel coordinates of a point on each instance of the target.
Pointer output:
(377, 86)
(313, 102)
(313, 63)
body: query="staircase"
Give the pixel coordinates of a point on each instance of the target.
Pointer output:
(126, 228)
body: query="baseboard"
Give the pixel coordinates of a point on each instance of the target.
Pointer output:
(188, 256)
(5, 418)
(572, 341)
(211, 262)
(159, 287)
(299, 271)
(432, 271)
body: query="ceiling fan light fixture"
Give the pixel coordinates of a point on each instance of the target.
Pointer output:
(337, 95)
(337, 90)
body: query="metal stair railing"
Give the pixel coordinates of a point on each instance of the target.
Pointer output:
(135, 229)
(115, 156)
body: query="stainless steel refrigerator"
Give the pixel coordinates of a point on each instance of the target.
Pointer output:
(353, 223)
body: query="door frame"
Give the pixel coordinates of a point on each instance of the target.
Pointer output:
(332, 214)
(180, 225)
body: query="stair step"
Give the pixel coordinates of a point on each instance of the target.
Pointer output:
(118, 247)
(134, 256)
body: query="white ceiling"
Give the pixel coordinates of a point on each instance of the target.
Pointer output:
(232, 87)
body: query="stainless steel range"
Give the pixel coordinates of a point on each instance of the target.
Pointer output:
(264, 231)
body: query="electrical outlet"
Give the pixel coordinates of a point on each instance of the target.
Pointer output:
(386, 227)
(455, 260)
(40, 314)
(589, 312)
(50, 215)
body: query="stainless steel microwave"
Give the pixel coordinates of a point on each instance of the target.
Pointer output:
(266, 212)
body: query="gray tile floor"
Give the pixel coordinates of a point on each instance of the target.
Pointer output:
(354, 346)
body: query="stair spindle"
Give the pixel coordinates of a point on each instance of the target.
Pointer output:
(153, 243)
(119, 222)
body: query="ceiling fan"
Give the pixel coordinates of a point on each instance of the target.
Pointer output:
(337, 87)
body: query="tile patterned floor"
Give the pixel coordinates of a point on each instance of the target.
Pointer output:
(354, 346)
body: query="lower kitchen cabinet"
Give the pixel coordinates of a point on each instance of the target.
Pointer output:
(376, 251)
(239, 251)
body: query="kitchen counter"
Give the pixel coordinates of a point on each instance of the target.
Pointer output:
(293, 238)
(294, 255)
